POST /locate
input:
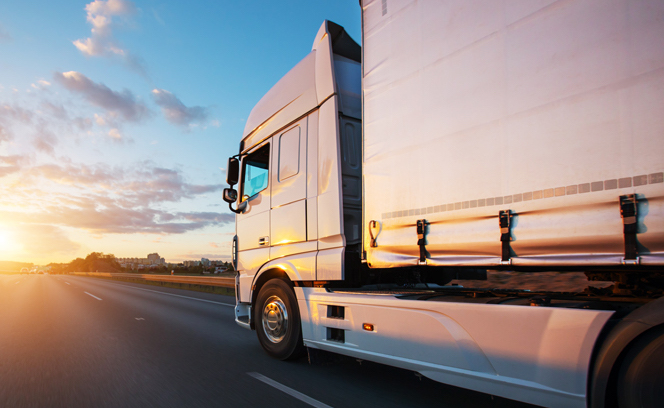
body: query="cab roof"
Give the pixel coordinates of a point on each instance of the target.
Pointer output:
(304, 88)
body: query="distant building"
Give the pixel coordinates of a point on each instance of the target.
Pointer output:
(155, 259)
(205, 262)
(152, 261)
(188, 264)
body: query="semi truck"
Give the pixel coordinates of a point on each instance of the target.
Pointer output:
(463, 138)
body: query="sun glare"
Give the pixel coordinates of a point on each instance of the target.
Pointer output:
(7, 243)
(4, 238)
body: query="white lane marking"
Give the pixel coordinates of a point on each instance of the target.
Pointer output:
(180, 296)
(289, 391)
(92, 295)
(68, 283)
(139, 318)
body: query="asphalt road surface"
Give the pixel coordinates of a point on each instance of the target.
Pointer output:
(85, 342)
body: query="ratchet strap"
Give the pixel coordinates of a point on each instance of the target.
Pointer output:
(505, 221)
(421, 238)
(628, 212)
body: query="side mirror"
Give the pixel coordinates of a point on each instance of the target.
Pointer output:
(230, 195)
(233, 172)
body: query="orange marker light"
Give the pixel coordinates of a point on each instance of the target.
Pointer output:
(368, 326)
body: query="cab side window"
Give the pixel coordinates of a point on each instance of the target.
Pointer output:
(255, 169)
(289, 154)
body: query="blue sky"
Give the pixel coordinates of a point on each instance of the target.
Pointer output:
(117, 117)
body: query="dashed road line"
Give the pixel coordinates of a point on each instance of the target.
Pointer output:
(296, 394)
(92, 295)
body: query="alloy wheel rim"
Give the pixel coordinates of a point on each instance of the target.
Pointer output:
(275, 319)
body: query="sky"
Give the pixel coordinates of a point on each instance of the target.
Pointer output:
(117, 118)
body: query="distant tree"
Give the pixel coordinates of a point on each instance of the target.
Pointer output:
(57, 268)
(75, 266)
(95, 261)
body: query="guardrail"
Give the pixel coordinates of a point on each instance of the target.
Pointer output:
(188, 280)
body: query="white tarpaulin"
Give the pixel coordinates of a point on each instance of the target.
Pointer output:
(549, 109)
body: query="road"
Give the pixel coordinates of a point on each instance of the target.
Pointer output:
(70, 341)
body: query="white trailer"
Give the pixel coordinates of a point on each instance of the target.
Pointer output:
(465, 136)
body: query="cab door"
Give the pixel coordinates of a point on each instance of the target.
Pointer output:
(288, 224)
(253, 224)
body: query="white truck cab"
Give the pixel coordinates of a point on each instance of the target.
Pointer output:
(300, 176)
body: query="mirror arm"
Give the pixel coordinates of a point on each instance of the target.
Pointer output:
(238, 211)
(240, 208)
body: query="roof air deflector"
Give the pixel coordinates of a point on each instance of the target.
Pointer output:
(342, 43)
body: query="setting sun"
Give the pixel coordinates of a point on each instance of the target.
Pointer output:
(5, 240)
(9, 245)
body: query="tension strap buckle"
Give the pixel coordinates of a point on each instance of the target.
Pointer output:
(421, 239)
(629, 212)
(505, 222)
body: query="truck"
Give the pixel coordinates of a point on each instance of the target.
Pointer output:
(463, 139)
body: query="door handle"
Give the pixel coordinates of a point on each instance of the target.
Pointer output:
(262, 241)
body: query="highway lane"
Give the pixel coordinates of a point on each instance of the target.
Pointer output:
(79, 342)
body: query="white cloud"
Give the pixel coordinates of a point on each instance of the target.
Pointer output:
(101, 43)
(115, 134)
(89, 47)
(104, 199)
(176, 112)
(41, 122)
(11, 164)
(16, 113)
(41, 84)
(11, 115)
(109, 8)
(116, 103)
(100, 15)
(56, 110)
(45, 140)
(100, 120)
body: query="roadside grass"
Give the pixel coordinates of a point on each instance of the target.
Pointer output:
(218, 290)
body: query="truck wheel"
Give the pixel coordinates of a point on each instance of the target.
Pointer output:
(277, 320)
(642, 372)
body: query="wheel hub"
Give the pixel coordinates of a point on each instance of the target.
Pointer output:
(275, 319)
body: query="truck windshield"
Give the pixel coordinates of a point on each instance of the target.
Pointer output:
(255, 172)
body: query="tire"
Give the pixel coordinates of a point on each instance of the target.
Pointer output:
(641, 376)
(277, 319)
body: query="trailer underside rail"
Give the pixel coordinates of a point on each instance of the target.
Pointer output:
(589, 299)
